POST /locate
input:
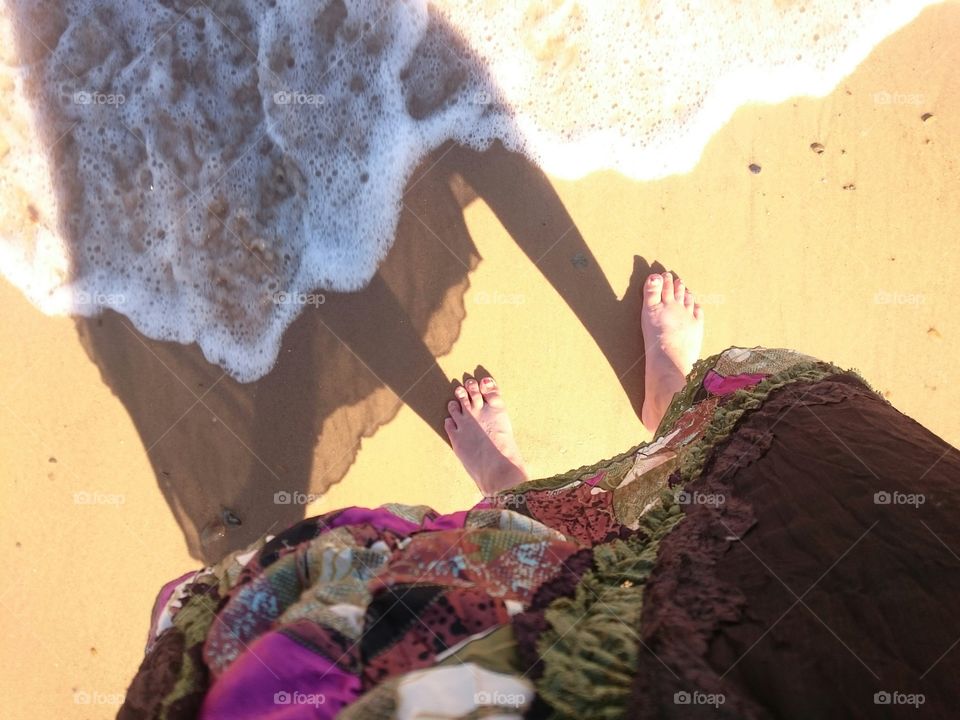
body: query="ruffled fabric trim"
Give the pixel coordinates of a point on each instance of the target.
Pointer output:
(588, 643)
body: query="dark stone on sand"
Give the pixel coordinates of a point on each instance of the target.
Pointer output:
(817, 148)
(926, 116)
(754, 168)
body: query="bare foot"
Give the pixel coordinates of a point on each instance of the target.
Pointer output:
(482, 437)
(672, 325)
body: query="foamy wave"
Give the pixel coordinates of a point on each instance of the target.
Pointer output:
(194, 166)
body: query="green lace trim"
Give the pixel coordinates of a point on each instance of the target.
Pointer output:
(193, 620)
(590, 650)
(585, 471)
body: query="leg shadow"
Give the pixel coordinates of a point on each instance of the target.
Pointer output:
(236, 460)
(524, 201)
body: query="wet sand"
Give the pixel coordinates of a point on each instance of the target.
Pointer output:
(121, 454)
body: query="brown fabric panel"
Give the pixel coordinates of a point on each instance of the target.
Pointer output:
(800, 500)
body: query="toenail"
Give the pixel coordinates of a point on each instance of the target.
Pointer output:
(488, 382)
(460, 392)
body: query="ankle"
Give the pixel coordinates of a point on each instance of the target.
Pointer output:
(655, 406)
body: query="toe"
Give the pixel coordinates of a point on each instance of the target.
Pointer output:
(460, 393)
(697, 311)
(688, 299)
(490, 391)
(450, 426)
(679, 290)
(667, 294)
(453, 407)
(652, 290)
(473, 389)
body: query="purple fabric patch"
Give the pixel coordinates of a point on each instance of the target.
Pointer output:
(279, 679)
(717, 384)
(593, 481)
(383, 519)
(379, 518)
(451, 521)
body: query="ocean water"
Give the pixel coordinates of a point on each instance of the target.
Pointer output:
(208, 169)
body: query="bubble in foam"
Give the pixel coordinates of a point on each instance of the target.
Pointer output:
(187, 164)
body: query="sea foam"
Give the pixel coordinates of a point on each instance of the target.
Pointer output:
(201, 167)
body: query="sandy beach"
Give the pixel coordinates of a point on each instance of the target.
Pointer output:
(828, 225)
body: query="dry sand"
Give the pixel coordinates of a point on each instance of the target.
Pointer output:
(850, 254)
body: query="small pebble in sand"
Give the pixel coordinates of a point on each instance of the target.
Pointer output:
(52, 459)
(93, 651)
(849, 186)
(817, 148)
(933, 332)
(754, 168)
(926, 116)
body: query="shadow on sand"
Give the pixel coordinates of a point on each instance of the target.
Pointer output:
(236, 460)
